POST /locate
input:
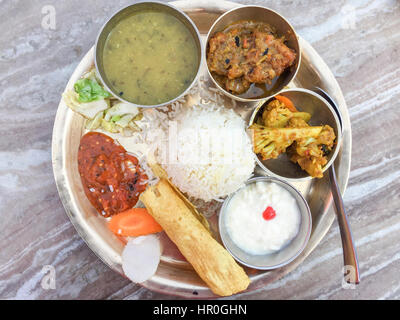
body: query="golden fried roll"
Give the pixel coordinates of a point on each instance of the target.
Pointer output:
(210, 260)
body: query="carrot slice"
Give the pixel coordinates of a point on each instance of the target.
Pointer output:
(287, 102)
(133, 223)
(245, 43)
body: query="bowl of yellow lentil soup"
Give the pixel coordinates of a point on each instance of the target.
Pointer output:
(148, 54)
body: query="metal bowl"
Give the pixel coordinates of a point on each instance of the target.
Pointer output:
(321, 113)
(281, 257)
(274, 19)
(127, 11)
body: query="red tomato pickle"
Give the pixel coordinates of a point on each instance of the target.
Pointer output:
(269, 213)
(112, 178)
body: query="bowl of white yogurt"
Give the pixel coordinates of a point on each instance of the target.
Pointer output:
(266, 224)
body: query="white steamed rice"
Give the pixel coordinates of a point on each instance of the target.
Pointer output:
(204, 149)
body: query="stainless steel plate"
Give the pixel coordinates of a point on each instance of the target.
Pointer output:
(174, 275)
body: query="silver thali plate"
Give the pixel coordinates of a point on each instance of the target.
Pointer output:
(174, 275)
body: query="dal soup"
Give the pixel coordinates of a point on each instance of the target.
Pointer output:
(150, 57)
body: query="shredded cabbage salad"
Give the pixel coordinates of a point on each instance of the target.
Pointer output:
(100, 108)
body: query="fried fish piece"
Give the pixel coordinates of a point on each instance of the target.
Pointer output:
(209, 259)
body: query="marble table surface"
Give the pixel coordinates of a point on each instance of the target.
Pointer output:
(360, 42)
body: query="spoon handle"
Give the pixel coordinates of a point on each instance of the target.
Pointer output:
(349, 252)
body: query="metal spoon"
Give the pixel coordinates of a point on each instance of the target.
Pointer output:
(349, 251)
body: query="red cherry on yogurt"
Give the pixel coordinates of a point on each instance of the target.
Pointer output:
(269, 213)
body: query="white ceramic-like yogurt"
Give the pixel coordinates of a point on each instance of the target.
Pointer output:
(257, 230)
